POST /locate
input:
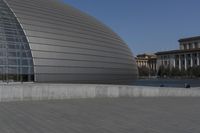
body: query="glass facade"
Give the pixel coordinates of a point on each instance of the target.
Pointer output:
(16, 63)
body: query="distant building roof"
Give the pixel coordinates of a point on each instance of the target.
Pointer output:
(146, 56)
(189, 39)
(177, 51)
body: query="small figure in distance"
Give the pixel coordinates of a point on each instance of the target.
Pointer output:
(162, 85)
(187, 85)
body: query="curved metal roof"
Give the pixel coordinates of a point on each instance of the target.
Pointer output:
(68, 45)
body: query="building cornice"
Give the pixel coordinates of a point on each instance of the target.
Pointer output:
(189, 39)
(178, 51)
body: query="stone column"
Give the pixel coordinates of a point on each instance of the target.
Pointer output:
(198, 62)
(154, 64)
(179, 61)
(174, 61)
(185, 57)
(158, 63)
(191, 60)
(147, 65)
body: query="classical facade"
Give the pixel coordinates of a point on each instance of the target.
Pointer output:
(146, 60)
(48, 41)
(187, 56)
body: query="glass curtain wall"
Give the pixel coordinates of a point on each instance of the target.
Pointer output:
(16, 63)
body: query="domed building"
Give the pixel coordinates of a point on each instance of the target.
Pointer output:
(48, 41)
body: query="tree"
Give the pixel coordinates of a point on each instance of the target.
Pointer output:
(167, 71)
(164, 71)
(161, 71)
(175, 72)
(195, 71)
(143, 71)
(190, 72)
(183, 72)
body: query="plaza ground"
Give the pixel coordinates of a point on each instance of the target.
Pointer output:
(102, 115)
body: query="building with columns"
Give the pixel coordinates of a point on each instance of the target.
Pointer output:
(146, 60)
(187, 56)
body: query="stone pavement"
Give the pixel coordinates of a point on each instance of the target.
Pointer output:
(102, 115)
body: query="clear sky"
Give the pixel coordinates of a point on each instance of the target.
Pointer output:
(146, 25)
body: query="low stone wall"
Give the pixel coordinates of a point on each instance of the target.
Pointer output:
(33, 91)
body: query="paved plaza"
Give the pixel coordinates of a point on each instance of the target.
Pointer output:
(103, 115)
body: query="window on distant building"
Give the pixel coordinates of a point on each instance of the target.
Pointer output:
(183, 62)
(196, 45)
(195, 55)
(166, 63)
(189, 62)
(177, 63)
(195, 62)
(188, 55)
(184, 46)
(190, 45)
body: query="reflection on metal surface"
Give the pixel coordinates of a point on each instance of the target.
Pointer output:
(69, 46)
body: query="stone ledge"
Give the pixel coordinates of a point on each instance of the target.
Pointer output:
(34, 91)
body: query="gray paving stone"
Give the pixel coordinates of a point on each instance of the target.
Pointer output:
(102, 115)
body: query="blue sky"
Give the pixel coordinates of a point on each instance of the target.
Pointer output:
(146, 25)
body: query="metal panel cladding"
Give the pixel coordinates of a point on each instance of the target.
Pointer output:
(68, 45)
